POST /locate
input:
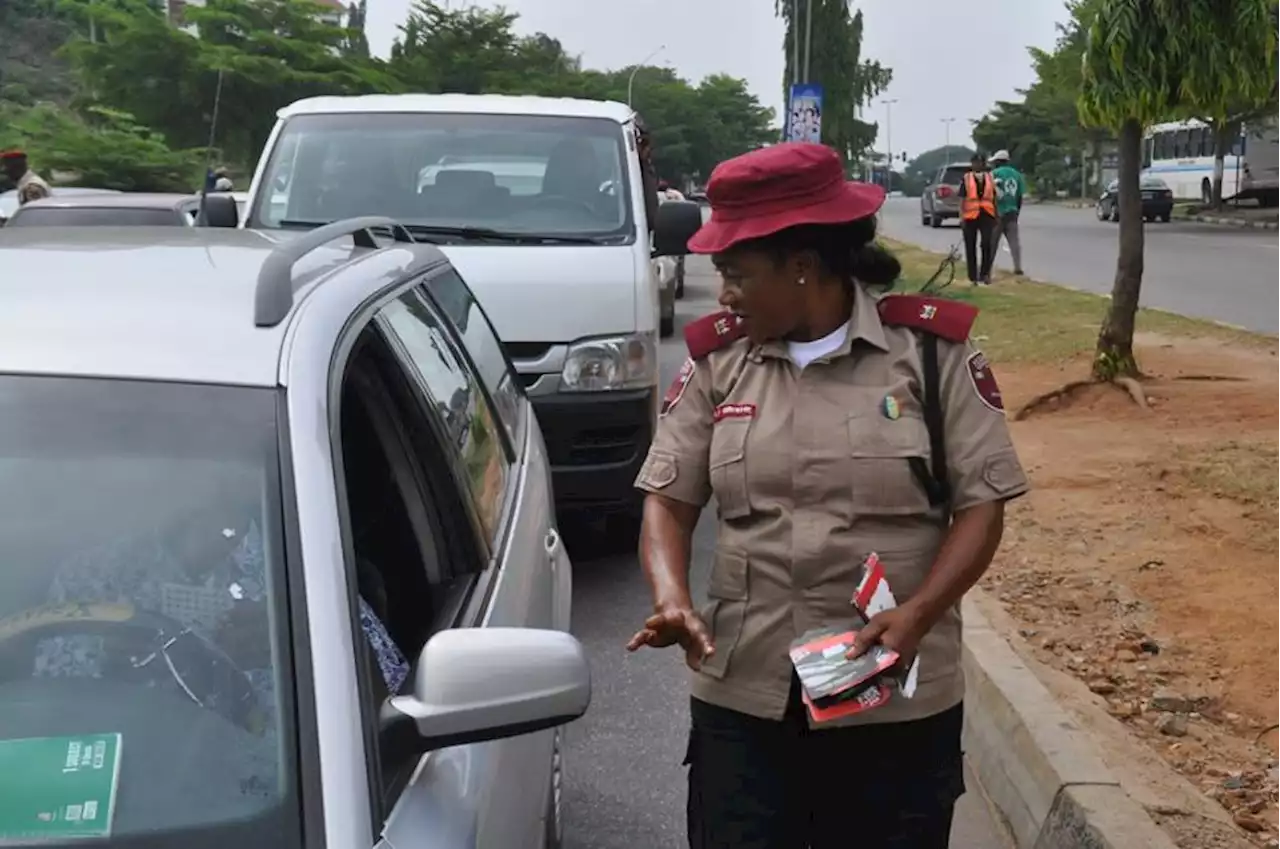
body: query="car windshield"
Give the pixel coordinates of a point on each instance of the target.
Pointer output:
(521, 174)
(144, 656)
(95, 216)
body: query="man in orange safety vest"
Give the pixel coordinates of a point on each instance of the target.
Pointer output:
(978, 218)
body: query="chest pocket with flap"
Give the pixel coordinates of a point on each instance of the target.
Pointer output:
(728, 467)
(882, 453)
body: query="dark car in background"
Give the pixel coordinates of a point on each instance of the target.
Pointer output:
(9, 199)
(1157, 200)
(109, 210)
(941, 198)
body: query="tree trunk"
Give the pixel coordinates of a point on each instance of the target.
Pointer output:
(1221, 144)
(1224, 133)
(1115, 340)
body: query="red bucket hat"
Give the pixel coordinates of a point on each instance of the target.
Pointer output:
(771, 189)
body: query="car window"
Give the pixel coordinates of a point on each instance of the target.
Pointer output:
(455, 392)
(481, 342)
(536, 174)
(143, 624)
(93, 216)
(953, 174)
(402, 560)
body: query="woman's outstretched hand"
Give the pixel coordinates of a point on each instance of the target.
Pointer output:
(676, 625)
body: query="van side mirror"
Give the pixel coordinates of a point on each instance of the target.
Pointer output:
(219, 210)
(676, 222)
(472, 685)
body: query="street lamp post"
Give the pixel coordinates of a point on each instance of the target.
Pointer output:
(632, 79)
(947, 123)
(808, 38)
(888, 140)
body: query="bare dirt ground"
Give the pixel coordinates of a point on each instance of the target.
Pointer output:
(1144, 562)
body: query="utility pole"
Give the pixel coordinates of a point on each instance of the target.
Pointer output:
(888, 140)
(795, 42)
(947, 123)
(808, 39)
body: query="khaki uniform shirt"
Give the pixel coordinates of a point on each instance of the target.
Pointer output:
(31, 187)
(810, 471)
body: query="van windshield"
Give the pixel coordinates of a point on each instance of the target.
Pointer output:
(523, 174)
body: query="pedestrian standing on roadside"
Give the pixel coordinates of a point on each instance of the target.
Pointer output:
(978, 219)
(1010, 189)
(29, 184)
(828, 424)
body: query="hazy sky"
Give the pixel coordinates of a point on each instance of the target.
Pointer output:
(950, 58)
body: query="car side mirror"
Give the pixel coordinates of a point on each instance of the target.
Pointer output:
(218, 210)
(472, 685)
(674, 225)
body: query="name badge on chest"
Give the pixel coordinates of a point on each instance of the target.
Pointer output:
(735, 411)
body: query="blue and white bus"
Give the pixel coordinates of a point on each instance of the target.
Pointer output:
(1181, 154)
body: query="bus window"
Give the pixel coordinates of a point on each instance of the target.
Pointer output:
(1181, 144)
(1147, 145)
(1195, 142)
(1161, 145)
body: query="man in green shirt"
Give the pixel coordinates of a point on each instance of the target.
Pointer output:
(1010, 189)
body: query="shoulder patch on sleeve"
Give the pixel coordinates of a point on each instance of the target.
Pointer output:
(952, 320)
(711, 333)
(676, 390)
(984, 381)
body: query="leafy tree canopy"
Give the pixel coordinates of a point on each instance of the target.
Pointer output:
(122, 66)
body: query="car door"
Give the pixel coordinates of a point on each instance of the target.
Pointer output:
(536, 510)
(491, 795)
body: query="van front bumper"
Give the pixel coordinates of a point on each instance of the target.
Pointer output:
(596, 443)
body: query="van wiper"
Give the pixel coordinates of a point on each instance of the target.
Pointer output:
(490, 234)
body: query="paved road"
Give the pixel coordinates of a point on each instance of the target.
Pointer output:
(624, 785)
(1222, 273)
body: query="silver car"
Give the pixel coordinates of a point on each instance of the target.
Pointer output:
(281, 568)
(941, 198)
(134, 209)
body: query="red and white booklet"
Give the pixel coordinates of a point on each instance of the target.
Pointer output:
(873, 596)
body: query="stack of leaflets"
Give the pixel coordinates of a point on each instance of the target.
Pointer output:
(834, 686)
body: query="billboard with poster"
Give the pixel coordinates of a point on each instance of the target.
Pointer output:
(804, 113)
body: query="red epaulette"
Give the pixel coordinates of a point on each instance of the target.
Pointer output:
(711, 333)
(952, 320)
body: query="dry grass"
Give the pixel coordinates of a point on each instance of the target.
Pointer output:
(1031, 322)
(1242, 471)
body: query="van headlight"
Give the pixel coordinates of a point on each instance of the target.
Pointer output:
(610, 363)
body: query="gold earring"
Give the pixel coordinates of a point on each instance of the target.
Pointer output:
(800, 281)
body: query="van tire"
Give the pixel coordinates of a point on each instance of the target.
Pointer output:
(622, 531)
(553, 838)
(666, 326)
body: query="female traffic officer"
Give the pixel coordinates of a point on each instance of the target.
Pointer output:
(828, 424)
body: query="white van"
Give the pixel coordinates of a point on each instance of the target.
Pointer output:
(545, 209)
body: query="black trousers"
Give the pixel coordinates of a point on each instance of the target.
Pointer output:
(760, 784)
(979, 230)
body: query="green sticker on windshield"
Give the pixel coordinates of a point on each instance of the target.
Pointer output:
(58, 787)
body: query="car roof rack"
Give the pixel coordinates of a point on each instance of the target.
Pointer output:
(273, 297)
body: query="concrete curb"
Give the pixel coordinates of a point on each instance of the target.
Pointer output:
(1038, 768)
(1219, 221)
